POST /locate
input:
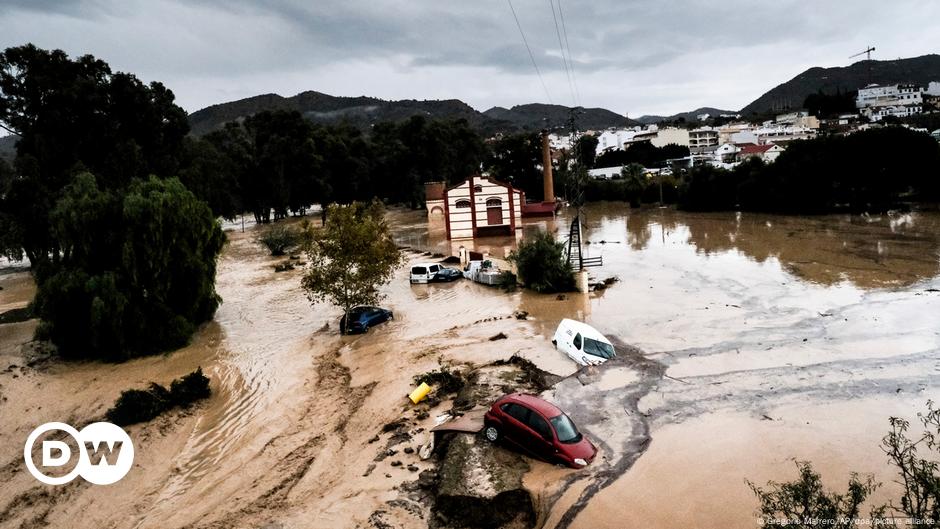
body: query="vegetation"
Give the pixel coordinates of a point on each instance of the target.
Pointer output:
(872, 170)
(825, 105)
(643, 153)
(542, 265)
(351, 257)
(280, 239)
(444, 380)
(804, 501)
(517, 159)
(137, 405)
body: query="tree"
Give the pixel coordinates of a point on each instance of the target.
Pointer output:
(804, 503)
(351, 257)
(137, 269)
(74, 115)
(586, 149)
(517, 159)
(542, 264)
(634, 180)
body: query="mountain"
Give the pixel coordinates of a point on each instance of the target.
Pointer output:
(323, 108)
(364, 111)
(536, 116)
(688, 116)
(791, 94)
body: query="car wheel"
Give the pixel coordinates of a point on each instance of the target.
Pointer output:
(491, 433)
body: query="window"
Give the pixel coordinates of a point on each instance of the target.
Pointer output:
(434, 269)
(520, 413)
(419, 270)
(462, 203)
(566, 430)
(493, 202)
(537, 423)
(577, 341)
(477, 188)
(596, 348)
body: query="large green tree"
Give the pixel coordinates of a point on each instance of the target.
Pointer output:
(72, 115)
(137, 269)
(351, 257)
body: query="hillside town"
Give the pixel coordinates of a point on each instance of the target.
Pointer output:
(727, 145)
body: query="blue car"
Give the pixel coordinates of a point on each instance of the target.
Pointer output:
(363, 317)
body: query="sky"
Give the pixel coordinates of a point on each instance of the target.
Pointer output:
(633, 57)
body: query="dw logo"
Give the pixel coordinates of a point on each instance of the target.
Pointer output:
(105, 453)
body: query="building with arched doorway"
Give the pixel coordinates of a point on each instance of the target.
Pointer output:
(476, 207)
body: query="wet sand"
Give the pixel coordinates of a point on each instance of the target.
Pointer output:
(722, 303)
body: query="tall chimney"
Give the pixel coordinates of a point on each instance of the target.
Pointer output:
(547, 181)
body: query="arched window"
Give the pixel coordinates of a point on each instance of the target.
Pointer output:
(463, 203)
(493, 203)
(478, 188)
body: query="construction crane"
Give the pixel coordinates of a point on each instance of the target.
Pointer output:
(866, 53)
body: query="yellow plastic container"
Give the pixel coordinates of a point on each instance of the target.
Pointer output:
(420, 393)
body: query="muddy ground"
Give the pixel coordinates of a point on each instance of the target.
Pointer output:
(755, 339)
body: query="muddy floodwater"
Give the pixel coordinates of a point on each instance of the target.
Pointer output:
(747, 341)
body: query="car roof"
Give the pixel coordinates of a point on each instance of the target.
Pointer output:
(586, 330)
(538, 404)
(425, 264)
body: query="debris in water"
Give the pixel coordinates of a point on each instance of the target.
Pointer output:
(500, 336)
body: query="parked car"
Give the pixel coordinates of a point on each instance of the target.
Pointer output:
(446, 274)
(363, 317)
(538, 428)
(582, 343)
(424, 272)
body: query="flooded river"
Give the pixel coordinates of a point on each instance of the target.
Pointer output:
(763, 339)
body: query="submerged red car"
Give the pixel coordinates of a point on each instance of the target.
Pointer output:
(539, 428)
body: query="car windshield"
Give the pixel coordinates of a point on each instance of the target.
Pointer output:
(597, 348)
(565, 429)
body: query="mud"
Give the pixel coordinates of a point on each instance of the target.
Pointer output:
(825, 325)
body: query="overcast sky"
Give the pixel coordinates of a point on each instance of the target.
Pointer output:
(631, 56)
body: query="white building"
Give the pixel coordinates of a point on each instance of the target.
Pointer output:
(478, 207)
(704, 139)
(671, 135)
(900, 100)
(933, 88)
(605, 173)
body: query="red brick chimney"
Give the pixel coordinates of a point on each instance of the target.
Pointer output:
(547, 181)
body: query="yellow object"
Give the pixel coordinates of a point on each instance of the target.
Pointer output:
(420, 392)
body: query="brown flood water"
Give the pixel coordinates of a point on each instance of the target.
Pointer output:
(779, 337)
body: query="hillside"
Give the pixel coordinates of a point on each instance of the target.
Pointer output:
(536, 116)
(364, 111)
(323, 108)
(790, 95)
(688, 116)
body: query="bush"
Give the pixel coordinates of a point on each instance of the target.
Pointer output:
(542, 264)
(138, 405)
(280, 239)
(444, 380)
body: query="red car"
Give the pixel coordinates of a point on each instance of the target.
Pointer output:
(539, 428)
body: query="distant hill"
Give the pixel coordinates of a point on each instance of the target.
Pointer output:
(791, 94)
(688, 116)
(536, 116)
(323, 108)
(364, 111)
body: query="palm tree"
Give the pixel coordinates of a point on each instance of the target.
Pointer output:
(634, 182)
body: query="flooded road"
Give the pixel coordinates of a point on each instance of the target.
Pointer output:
(761, 339)
(781, 338)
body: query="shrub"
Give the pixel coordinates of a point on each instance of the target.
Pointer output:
(190, 388)
(542, 264)
(279, 239)
(141, 405)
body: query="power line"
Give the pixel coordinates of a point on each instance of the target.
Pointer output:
(561, 47)
(564, 30)
(524, 41)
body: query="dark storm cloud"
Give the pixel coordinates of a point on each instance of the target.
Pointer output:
(625, 53)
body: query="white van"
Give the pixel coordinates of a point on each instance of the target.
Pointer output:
(582, 343)
(424, 272)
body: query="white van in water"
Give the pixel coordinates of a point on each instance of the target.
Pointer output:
(424, 272)
(582, 343)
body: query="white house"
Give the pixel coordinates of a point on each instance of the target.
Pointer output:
(479, 207)
(726, 153)
(900, 100)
